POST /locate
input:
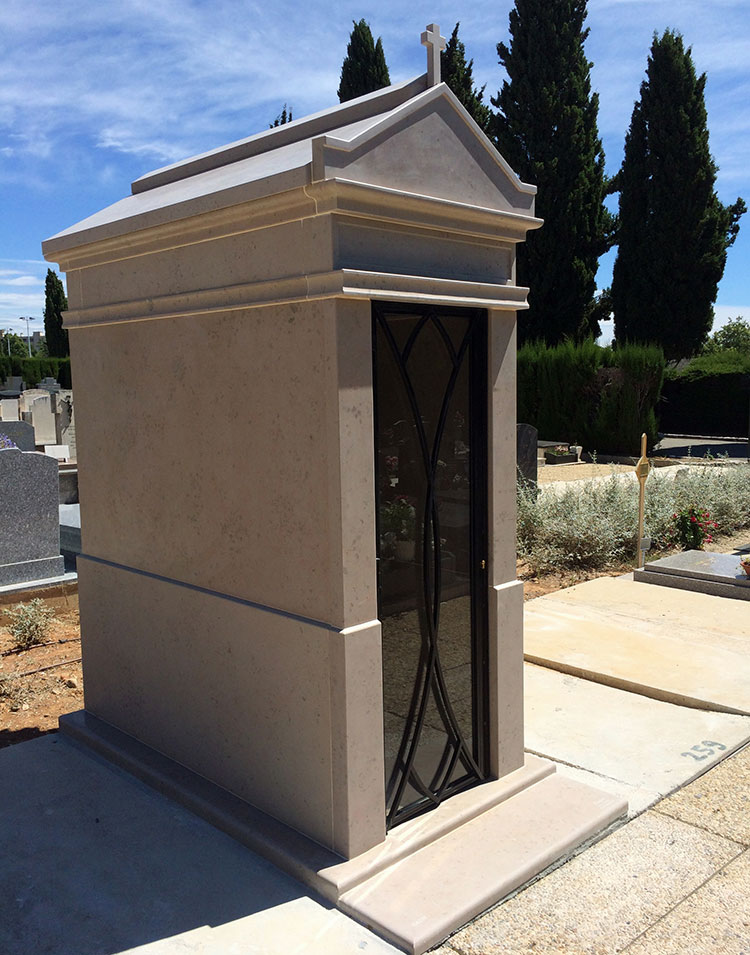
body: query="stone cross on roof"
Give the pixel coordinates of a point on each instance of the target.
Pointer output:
(435, 43)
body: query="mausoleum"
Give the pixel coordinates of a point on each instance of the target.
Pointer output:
(294, 366)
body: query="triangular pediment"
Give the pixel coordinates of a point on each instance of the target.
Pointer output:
(429, 146)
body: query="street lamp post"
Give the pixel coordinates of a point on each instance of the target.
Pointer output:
(28, 337)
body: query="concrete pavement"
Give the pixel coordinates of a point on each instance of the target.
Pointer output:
(96, 862)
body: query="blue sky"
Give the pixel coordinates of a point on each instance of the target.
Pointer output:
(95, 93)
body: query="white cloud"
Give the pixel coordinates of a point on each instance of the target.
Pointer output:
(93, 94)
(16, 276)
(22, 280)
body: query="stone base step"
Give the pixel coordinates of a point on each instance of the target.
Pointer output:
(431, 874)
(421, 899)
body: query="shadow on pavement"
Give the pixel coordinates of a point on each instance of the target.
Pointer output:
(94, 862)
(9, 737)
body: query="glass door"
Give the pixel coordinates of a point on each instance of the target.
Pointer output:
(431, 475)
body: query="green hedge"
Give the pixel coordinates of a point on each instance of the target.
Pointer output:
(32, 370)
(602, 398)
(711, 396)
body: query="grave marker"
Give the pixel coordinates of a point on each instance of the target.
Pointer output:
(527, 452)
(8, 409)
(43, 420)
(20, 433)
(701, 571)
(29, 517)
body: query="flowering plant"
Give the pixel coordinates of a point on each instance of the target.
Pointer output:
(6, 443)
(559, 449)
(691, 528)
(399, 517)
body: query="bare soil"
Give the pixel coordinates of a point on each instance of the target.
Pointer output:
(40, 684)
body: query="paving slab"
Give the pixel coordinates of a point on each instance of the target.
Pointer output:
(649, 746)
(605, 898)
(292, 928)
(714, 920)
(718, 801)
(673, 645)
(96, 862)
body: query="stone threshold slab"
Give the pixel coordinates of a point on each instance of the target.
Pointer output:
(335, 878)
(425, 897)
(700, 571)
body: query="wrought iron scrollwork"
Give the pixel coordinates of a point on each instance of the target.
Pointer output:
(459, 759)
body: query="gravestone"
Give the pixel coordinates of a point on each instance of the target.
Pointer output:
(356, 271)
(8, 409)
(13, 383)
(60, 452)
(65, 428)
(29, 396)
(29, 518)
(527, 452)
(43, 420)
(701, 571)
(49, 384)
(70, 529)
(20, 433)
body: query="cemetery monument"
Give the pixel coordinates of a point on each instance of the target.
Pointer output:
(311, 601)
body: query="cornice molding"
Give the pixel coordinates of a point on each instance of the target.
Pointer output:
(365, 201)
(341, 283)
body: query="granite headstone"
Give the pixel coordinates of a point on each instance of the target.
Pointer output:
(20, 433)
(29, 518)
(703, 572)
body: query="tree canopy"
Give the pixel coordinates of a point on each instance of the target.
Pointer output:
(735, 335)
(364, 68)
(673, 231)
(547, 130)
(55, 304)
(458, 75)
(13, 345)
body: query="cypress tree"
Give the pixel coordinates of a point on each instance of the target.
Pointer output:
(457, 73)
(282, 119)
(673, 232)
(364, 69)
(55, 304)
(547, 130)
